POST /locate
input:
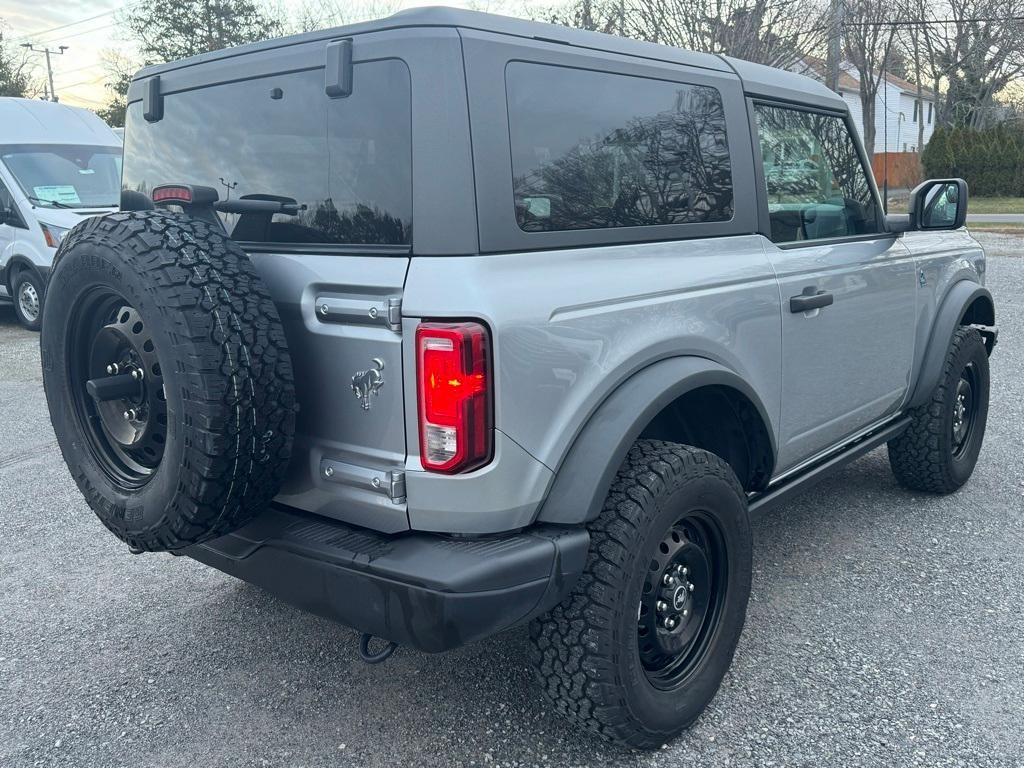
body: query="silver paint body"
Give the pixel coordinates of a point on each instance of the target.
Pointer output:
(571, 319)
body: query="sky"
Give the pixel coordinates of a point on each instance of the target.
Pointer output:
(88, 28)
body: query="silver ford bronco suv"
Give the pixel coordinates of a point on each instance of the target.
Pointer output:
(449, 323)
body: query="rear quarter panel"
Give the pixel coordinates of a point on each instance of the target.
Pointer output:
(569, 326)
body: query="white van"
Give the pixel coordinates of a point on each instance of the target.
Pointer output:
(57, 165)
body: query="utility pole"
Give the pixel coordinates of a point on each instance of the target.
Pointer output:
(49, 67)
(835, 36)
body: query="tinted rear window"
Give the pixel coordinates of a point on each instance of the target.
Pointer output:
(593, 150)
(348, 161)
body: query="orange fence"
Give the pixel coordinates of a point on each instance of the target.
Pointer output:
(903, 169)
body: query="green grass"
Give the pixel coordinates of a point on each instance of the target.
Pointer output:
(982, 205)
(995, 204)
(998, 228)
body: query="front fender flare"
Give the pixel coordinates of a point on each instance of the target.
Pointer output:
(586, 473)
(948, 318)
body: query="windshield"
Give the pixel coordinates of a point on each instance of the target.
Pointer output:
(66, 176)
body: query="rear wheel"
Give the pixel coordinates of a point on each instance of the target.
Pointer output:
(640, 647)
(27, 292)
(939, 450)
(167, 377)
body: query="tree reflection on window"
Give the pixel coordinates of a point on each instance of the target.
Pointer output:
(659, 154)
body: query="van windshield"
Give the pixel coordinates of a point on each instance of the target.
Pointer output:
(66, 176)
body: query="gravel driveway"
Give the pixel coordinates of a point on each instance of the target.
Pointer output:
(885, 629)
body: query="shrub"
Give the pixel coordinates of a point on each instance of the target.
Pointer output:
(991, 161)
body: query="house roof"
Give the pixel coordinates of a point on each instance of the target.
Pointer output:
(818, 69)
(848, 81)
(908, 87)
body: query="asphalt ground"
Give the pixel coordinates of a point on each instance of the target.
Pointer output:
(885, 629)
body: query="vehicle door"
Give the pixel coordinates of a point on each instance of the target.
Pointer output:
(848, 288)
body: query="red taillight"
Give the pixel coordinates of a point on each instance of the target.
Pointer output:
(172, 194)
(454, 391)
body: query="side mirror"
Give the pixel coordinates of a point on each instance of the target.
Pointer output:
(939, 204)
(935, 204)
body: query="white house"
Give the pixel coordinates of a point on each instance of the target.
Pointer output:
(897, 111)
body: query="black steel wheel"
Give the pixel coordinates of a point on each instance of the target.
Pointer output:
(640, 647)
(682, 599)
(966, 404)
(117, 387)
(167, 377)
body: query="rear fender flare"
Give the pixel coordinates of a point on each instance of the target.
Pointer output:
(586, 473)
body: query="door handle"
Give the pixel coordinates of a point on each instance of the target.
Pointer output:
(810, 299)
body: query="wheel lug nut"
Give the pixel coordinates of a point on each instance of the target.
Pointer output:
(662, 606)
(686, 612)
(671, 622)
(113, 368)
(667, 580)
(689, 586)
(130, 415)
(137, 374)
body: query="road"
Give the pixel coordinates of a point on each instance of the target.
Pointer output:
(995, 218)
(885, 629)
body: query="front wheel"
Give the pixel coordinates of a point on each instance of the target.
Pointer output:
(640, 647)
(938, 451)
(27, 292)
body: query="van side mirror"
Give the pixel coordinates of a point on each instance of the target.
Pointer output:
(9, 216)
(935, 204)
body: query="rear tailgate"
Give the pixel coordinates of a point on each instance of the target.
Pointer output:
(342, 316)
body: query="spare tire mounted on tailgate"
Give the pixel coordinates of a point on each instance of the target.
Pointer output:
(167, 376)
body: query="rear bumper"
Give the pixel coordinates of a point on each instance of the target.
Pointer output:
(421, 590)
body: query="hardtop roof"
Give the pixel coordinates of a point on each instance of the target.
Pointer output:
(757, 79)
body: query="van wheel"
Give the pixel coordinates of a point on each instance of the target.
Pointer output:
(939, 450)
(640, 647)
(167, 377)
(27, 292)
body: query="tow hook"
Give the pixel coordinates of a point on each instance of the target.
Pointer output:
(374, 658)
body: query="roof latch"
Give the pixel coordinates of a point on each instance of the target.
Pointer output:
(339, 69)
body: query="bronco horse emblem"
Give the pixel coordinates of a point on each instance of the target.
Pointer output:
(368, 382)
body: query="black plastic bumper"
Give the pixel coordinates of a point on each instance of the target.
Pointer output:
(421, 590)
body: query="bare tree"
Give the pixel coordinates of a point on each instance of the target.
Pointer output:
(312, 15)
(977, 52)
(774, 32)
(167, 30)
(15, 78)
(869, 34)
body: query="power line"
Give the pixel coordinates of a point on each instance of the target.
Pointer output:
(49, 67)
(41, 32)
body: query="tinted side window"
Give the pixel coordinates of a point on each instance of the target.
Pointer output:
(817, 186)
(347, 162)
(592, 150)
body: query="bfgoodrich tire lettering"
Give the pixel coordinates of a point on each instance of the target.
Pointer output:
(587, 651)
(938, 451)
(215, 394)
